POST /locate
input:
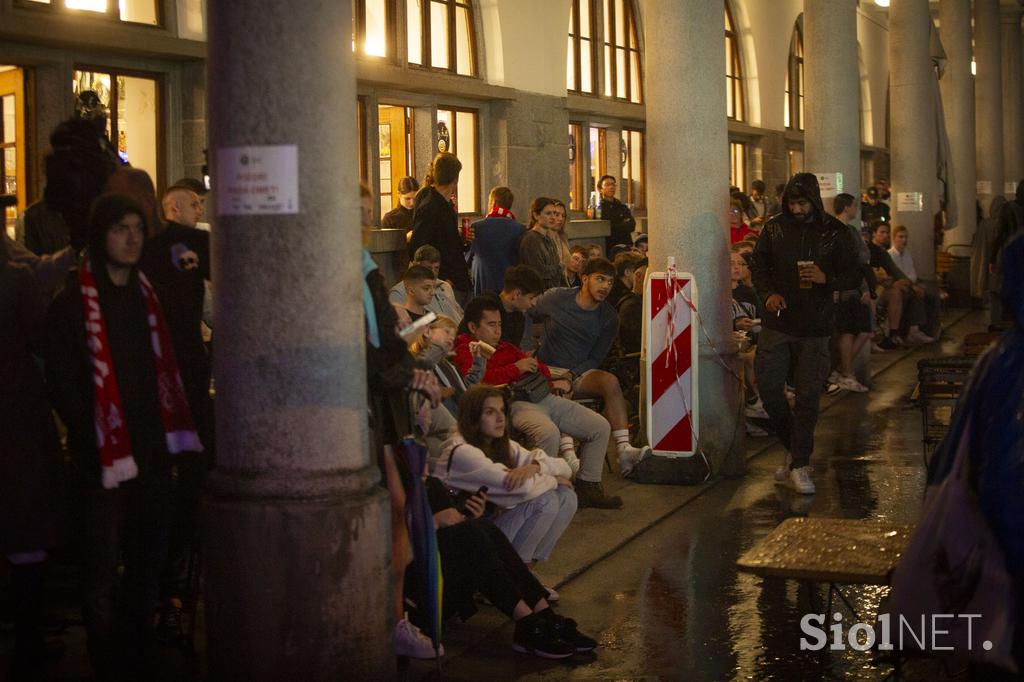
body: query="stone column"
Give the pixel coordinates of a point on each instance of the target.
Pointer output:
(832, 102)
(1013, 99)
(913, 127)
(988, 101)
(957, 87)
(687, 220)
(296, 528)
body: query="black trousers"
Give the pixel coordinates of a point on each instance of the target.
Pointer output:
(129, 523)
(476, 556)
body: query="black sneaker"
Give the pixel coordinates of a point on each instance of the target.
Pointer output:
(888, 343)
(536, 635)
(566, 629)
(591, 494)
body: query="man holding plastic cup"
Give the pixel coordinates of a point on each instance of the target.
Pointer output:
(802, 260)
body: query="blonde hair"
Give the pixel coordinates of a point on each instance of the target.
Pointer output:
(422, 343)
(897, 229)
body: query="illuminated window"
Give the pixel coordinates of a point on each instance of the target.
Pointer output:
(794, 116)
(632, 184)
(132, 11)
(580, 62)
(457, 133)
(621, 52)
(440, 34)
(133, 120)
(738, 164)
(576, 191)
(795, 161)
(733, 72)
(598, 155)
(371, 27)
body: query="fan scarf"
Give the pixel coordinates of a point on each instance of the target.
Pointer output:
(499, 212)
(112, 441)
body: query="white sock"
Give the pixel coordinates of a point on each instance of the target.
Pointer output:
(567, 451)
(621, 437)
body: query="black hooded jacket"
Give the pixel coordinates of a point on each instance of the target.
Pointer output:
(786, 240)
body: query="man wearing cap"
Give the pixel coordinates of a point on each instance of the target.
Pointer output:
(872, 209)
(802, 259)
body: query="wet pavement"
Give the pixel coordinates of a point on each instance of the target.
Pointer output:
(671, 603)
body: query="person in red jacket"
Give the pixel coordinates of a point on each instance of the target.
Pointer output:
(737, 228)
(541, 423)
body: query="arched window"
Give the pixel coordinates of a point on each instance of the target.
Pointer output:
(621, 52)
(795, 81)
(579, 67)
(440, 34)
(733, 71)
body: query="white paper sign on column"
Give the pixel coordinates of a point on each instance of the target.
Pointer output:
(258, 180)
(984, 187)
(830, 184)
(1009, 188)
(909, 202)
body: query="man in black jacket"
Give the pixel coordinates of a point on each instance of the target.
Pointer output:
(616, 213)
(803, 258)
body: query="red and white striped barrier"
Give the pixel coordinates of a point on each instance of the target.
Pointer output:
(670, 344)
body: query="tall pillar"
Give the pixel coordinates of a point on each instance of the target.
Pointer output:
(687, 220)
(1013, 98)
(957, 87)
(988, 101)
(296, 534)
(832, 86)
(912, 119)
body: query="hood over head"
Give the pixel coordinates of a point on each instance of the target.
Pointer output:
(805, 186)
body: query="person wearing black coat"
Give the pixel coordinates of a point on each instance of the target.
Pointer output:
(436, 222)
(29, 459)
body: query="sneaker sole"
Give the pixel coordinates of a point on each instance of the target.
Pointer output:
(519, 648)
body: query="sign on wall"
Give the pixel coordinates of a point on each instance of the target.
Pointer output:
(909, 202)
(830, 184)
(258, 180)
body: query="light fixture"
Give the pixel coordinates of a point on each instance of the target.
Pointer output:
(882, 3)
(974, 67)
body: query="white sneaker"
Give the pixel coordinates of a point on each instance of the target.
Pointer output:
(800, 480)
(411, 642)
(918, 337)
(782, 473)
(832, 389)
(756, 410)
(629, 457)
(755, 431)
(833, 378)
(851, 384)
(553, 595)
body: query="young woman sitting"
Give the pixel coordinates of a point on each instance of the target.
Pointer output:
(533, 497)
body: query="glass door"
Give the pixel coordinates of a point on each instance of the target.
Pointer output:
(12, 141)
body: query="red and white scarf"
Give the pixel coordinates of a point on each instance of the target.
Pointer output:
(499, 212)
(112, 439)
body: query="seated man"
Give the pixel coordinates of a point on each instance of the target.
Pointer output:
(522, 287)
(577, 257)
(626, 264)
(579, 328)
(923, 306)
(895, 291)
(542, 422)
(443, 302)
(418, 283)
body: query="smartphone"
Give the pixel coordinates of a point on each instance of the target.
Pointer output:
(418, 327)
(483, 489)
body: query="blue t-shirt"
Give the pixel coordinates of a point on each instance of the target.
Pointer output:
(574, 338)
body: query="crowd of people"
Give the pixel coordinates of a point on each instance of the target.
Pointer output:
(500, 348)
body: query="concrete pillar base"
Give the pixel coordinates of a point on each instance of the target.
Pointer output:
(315, 606)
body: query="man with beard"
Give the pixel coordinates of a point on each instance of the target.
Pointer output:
(580, 326)
(803, 258)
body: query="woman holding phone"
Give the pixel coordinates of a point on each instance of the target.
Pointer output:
(533, 498)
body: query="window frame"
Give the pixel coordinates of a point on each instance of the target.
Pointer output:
(576, 38)
(795, 74)
(454, 149)
(158, 110)
(738, 164)
(576, 184)
(390, 29)
(425, 38)
(636, 175)
(611, 49)
(734, 81)
(113, 13)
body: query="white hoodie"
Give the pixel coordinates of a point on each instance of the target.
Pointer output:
(470, 468)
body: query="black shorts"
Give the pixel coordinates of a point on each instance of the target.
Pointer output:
(853, 317)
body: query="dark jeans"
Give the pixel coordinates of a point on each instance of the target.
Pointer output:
(184, 526)
(808, 358)
(130, 524)
(923, 312)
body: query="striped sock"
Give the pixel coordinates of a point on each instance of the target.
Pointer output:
(621, 437)
(567, 451)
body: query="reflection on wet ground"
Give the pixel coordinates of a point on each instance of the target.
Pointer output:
(671, 604)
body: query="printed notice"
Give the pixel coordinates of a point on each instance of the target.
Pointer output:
(909, 202)
(1009, 188)
(830, 184)
(258, 180)
(984, 187)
